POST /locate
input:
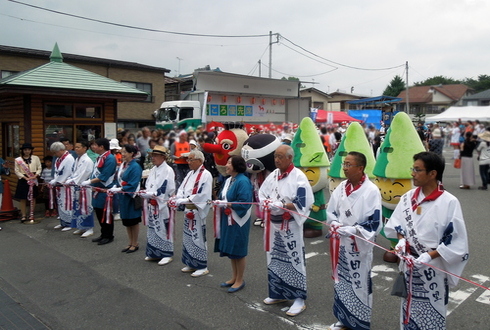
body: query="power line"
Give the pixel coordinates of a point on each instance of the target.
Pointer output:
(140, 28)
(340, 64)
(210, 36)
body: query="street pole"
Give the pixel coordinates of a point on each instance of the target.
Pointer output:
(406, 94)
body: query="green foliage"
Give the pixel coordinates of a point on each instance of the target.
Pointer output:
(438, 80)
(289, 78)
(395, 87)
(480, 85)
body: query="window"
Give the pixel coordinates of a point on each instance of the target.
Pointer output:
(88, 111)
(58, 111)
(7, 73)
(67, 110)
(11, 137)
(318, 105)
(145, 87)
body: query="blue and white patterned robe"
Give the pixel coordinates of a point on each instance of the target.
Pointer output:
(161, 184)
(286, 264)
(439, 226)
(353, 292)
(195, 248)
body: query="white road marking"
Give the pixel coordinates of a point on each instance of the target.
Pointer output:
(317, 242)
(484, 297)
(311, 254)
(456, 298)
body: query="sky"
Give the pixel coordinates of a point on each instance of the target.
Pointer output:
(351, 46)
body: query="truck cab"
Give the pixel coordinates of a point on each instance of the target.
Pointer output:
(178, 114)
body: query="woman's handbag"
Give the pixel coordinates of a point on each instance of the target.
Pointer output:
(457, 163)
(399, 286)
(138, 202)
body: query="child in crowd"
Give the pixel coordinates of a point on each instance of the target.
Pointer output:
(46, 176)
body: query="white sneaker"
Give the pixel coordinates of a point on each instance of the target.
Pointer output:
(66, 229)
(336, 326)
(78, 232)
(200, 272)
(58, 227)
(165, 261)
(88, 233)
(187, 269)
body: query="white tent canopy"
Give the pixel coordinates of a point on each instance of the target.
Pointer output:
(481, 113)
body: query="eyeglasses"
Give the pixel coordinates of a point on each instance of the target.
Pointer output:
(191, 159)
(347, 165)
(417, 170)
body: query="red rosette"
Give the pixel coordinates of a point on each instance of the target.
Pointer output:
(190, 215)
(227, 211)
(286, 216)
(124, 183)
(153, 202)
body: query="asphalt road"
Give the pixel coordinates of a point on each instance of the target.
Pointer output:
(71, 283)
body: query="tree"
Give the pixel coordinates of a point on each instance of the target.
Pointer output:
(289, 78)
(395, 87)
(438, 80)
(480, 85)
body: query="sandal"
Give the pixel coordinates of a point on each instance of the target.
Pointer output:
(126, 248)
(133, 249)
(23, 219)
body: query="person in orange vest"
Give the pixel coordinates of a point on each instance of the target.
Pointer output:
(179, 152)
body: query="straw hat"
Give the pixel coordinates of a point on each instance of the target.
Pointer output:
(485, 136)
(159, 150)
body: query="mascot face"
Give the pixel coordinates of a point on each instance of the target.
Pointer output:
(333, 183)
(258, 152)
(228, 143)
(391, 190)
(317, 177)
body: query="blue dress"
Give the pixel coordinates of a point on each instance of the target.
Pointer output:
(129, 181)
(234, 239)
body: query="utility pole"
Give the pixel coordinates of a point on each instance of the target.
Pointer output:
(270, 50)
(406, 93)
(180, 59)
(260, 68)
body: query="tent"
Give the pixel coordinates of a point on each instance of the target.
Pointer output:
(481, 113)
(369, 116)
(338, 116)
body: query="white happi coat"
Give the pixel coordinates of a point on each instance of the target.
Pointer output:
(286, 260)
(439, 226)
(62, 172)
(353, 291)
(194, 252)
(82, 169)
(161, 184)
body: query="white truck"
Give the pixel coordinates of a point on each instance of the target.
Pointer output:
(224, 97)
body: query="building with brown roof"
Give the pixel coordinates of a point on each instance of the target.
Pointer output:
(433, 99)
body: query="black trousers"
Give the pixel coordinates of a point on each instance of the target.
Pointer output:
(106, 229)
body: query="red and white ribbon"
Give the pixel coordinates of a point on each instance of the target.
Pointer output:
(334, 252)
(83, 201)
(108, 208)
(68, 198)
(216, 221)
(267, 226)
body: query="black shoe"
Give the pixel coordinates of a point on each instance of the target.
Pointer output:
(98, 239)
(105, 241)
(133, 249)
